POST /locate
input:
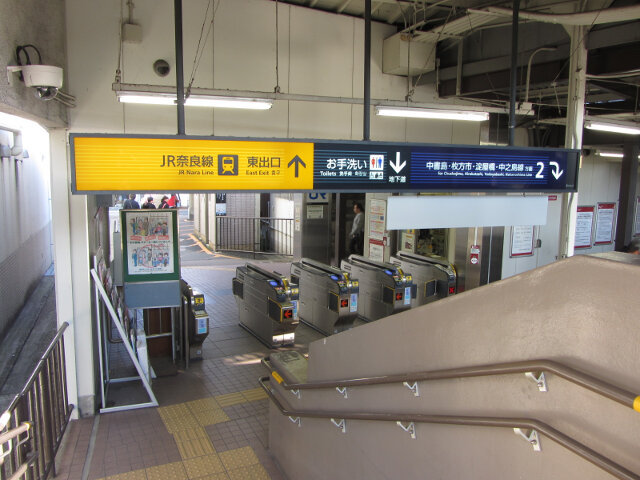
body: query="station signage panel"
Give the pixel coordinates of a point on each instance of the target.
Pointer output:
(112, 163)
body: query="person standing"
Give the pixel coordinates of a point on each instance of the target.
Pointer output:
(174, 201)
(130, 203)
(149, 203)
(163, 202)
(356, 242)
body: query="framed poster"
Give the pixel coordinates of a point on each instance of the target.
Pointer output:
(584, 227)
(636, 231)
(150, 245)
(605, 223)
(521, 240)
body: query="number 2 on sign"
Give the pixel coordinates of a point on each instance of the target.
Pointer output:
(539, 174)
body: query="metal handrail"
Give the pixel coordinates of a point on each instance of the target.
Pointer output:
(41, 410)
(606, 389)
(557, 436)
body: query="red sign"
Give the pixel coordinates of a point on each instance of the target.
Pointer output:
(553, 198)
(474, 256)
(344, 303)
(398, 296)
(287, 314)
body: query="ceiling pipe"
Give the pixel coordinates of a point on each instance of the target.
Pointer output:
(177, 8)
(366, 124)
(596, 17)
(541, 49)
(514, 72)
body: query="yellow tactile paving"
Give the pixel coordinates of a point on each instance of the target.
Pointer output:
(203, 404)
(230, 399)
(195, 448)
(170, 471)
(253, 472)
(191, 434)
(211, 417)
(240, 457)
(254, 394)
(174, 411)
(203, 466)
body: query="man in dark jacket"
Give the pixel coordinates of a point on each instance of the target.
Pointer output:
(130, 203)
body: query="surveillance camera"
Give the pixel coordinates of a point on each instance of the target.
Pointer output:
(46, 93)
(39, 76)
(161, 68)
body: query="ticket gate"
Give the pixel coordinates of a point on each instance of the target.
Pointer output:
(435, 278)
(267, 304)
(384, 288)
(328, 296)
(195, 321)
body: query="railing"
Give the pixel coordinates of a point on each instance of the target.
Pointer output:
(255, 235)
(613, 392)
(535, 426)
(31, 429)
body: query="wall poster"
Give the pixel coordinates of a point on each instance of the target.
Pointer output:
(522, 240)
(637, 229)
(605, 223)
(584, 227)
(150, 245)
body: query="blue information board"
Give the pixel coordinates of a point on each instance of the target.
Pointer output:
(369, 166)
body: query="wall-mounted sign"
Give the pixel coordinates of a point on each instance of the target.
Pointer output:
(153, 163)
(605, 223)
(584, 227)
(522, 241)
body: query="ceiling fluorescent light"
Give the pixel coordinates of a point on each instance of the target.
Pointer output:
(433, 113)
(155, 98)
(611, 154)
(229, 102)
(627, 129)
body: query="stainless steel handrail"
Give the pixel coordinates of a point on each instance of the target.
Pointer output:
(557, 436)
(585, 380)
(43, 405)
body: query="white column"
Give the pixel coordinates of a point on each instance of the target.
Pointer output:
(573, 136)
(73, 292)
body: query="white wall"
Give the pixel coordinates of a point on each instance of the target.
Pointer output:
(598, 181)
(319, 54)
(25, 219)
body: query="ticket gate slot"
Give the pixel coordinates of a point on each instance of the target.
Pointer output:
(328, 296)
(435, 277)
(267, 305)
(385, 289)
(196, 320)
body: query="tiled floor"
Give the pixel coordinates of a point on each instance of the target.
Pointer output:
(212, 421)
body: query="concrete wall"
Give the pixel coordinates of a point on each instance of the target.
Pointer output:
(25, 219)
(41, 24)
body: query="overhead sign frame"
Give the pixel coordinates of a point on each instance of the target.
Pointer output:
(109, 163)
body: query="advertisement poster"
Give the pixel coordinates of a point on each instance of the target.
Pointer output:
(377, 224)
(376, 250)
(637, 229)
(521, 240)
(605, 221)
(149, 242)
(584, 227)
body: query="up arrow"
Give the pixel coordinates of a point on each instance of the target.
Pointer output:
(556, 172)
(397, 166)
(297, 161)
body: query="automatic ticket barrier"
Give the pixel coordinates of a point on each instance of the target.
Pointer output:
(384, 288)
(195, 321)
(435, 278)
(268, 305)
(328, 296)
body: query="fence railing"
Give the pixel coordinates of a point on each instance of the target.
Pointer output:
(31, 429)
(255, 235)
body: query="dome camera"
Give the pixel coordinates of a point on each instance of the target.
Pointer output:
(161, 68)
(46, 93)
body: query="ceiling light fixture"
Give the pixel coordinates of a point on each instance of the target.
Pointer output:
(627, 129)
(433, 113)
(156, 98)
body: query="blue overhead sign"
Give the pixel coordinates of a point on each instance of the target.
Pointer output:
(405, 167)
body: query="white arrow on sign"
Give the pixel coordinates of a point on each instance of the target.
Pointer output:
(557, 173)
(397, 166)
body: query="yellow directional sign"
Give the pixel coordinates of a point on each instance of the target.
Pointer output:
(130, 164)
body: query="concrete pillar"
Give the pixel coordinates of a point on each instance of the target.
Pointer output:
(73, 290)
(628, 194)
(573, 135)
